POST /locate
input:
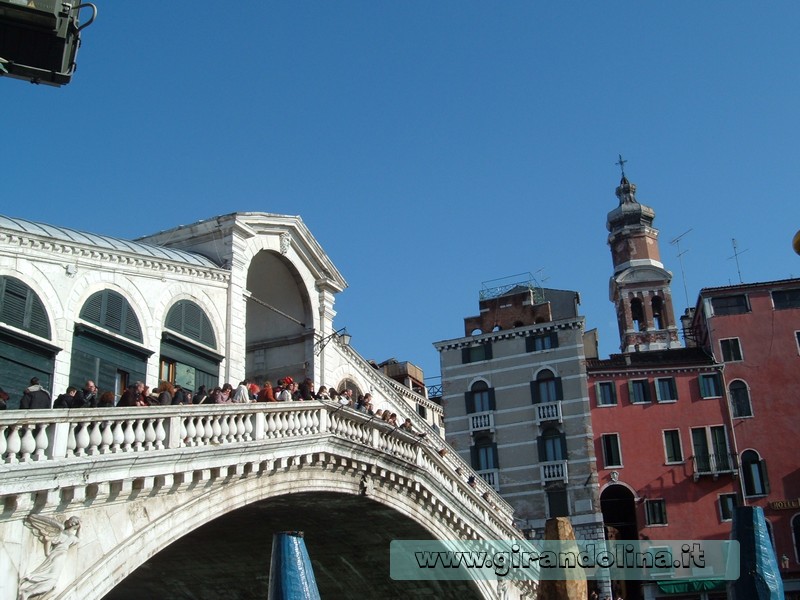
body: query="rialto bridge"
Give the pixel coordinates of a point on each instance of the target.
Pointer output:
(182, 501)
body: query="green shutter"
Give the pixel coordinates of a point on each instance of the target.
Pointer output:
(487, 350)
(469, 400)
(492, 404)
(559, 389)
(535, 397)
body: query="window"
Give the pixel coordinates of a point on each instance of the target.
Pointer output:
(740, 399)
(22, 308)
(655, 512)
(557, 502)
(786, 299)
(754, 471)
(552, 445)
(422, 411)
(727, 502)
(731, 351)
(545, 341)
(484, 454)
(658, 312)
(796, 536)
(612, 456)
(797, 339)
(730, 305)
(111, 310)
(480, 398)
(187, 318)
(639, 390)
(476, 353)
(546, 388)
(637, 314)
(666, 391)
(711, 454)
(672, 446)
(710, 386)
(606, 393)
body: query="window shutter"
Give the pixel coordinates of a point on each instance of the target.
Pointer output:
(554, 339)
(465, 356)
(469, 400)
(92, 308)
(541, 448)
(762, 467)
(559, 389)
(487, 347)
(529, 344)
(492, 405)
(473, 455)
(535, 397)
(495, 457)
(563, 437)
(631, 397)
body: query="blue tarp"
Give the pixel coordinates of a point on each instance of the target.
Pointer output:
(291, 576)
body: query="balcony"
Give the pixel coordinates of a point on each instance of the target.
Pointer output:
(554, 471)
(714, 465)
(549, 411)
(491, 477)
(481, 421)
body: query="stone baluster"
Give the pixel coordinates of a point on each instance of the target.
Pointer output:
(130, 436)
(224, 429)
(117, 435)
(13, 445)
(315, 419)
(27, 445)
(303, 423)
(240, 428)
(149, 434)
(161, 434)
(82, 439)
(95, 437)
(138, 432)
(42, 443)
(107, 437)
(292, 424)
(233, 429)
(247, 421)
(216, 429)
(188, 431)
(208, 431)
(3, 442)
(71, 443)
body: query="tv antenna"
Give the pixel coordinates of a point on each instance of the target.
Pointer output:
(736, 255)
(677, 242)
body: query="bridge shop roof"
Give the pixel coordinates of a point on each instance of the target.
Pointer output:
(104, 241)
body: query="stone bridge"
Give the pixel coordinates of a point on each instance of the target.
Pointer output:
(182, 501)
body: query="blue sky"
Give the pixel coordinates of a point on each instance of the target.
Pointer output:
(430, 146)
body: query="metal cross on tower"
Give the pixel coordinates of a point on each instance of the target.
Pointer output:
(621, 164)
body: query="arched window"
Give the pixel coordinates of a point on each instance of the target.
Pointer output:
(740, 399)
(21, 307)
(552, 445)
(754, 471)
(658, 312)
(479, 398)
(110, 310)
(637, 314)
(546, 388)
(187, 318)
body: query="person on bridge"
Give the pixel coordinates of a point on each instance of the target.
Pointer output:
(87, 397)
(242, 394)
(67, 399)
(35, 396)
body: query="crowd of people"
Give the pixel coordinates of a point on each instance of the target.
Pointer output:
(286, 389)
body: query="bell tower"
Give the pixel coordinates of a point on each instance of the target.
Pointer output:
(640, 285)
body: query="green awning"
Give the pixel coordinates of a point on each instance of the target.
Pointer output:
(691, 585)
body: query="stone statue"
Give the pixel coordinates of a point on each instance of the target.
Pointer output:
(57, 540)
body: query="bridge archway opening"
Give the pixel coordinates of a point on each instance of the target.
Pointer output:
(279, 320)
(347, 537)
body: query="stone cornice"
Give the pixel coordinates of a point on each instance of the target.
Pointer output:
(107, 257)
(508, 334)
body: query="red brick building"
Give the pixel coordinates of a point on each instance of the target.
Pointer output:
(754, 330)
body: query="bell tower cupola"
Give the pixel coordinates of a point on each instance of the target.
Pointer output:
(640, 286)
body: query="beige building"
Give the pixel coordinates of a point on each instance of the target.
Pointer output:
(516, 404)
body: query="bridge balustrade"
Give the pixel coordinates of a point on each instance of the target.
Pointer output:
(53, 437)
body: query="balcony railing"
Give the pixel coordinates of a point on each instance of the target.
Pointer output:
(554, 471)
(714, 464)
(492, 478)
(549, 411)
(481, 421)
